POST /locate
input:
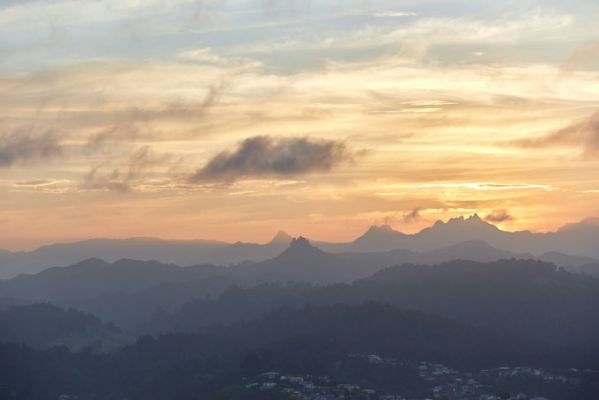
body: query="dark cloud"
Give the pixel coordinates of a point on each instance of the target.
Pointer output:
(267, 156)
(26, 146)
(584, 133)
(128, 174)
(412, 216)
(498, 216)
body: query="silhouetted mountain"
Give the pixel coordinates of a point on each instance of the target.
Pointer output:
(473, 250)
(577, 239)
(457, 230)
(569, 262)
(282, 237)
(379, 238)
(242, 252)
(94, 277)
(43, 326)
(306, 263)
(124, 292)
(178, 252)
(128, 310)
(110, 250)
(300, 262)
(128, 292)
(524, 297)
(234, 305)
(587, 224)
(527, 297)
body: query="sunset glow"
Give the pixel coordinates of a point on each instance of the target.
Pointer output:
(231, 120)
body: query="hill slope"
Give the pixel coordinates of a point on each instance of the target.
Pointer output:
(44, 326)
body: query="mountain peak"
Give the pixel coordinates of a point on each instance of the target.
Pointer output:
(379, 238)
(472, 219)
(282, 237)
(300, 249)
(380, 230)
(300, 243)
(585, 224)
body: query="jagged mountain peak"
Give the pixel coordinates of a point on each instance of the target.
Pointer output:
(300, 243)
(473, 220)
(282, 237)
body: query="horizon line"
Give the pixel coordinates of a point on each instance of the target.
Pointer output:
(384, 226)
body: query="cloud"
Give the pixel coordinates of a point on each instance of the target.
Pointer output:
(207, 55)
(126, 176)
(132, 124)
(203, 55)
(498, 216)
(583, 133)
(445, 30)
(387, 14)
(212, 96)
(412, 216)
(268, 156)
(56, 186)
(113, 134)
(25, 146)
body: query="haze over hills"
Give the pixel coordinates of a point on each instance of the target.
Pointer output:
(43, 326)
(575, 239)
(525, 297)
(128, 292)
(305, 341)
(167, 251)
(414, 304)
(299, 200)
(123, 290)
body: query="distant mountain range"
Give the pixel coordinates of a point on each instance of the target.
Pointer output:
(147, 249)
(463, 293)
(578, 240)
(129, 292)
(303, 310)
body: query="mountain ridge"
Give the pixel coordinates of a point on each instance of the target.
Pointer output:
(577, 240)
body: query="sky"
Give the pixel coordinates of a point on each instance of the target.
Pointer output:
(233, 119)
